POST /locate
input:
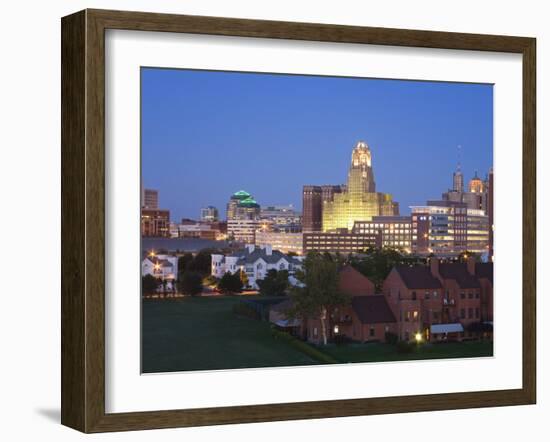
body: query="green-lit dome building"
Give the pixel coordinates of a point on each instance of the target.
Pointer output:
(241, 205)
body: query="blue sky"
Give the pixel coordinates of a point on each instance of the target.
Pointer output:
(208, 134)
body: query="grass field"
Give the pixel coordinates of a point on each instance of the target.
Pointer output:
(377, 352)
(203, 334)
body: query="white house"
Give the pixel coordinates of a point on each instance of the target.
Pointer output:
(255, 262)
(164, 267)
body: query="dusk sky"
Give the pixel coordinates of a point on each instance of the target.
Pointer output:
(207, 134)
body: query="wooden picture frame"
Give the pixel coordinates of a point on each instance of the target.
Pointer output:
(83, 220)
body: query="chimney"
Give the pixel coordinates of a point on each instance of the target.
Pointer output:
(471, 265)
(268, 249)
(250, 248)
(434, 266)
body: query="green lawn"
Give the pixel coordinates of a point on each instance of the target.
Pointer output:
(203, 334)
(377, 352)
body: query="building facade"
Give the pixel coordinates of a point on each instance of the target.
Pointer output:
(395, 231)
(341, 241)
(282, 241)
(243, 230)
(155, 222)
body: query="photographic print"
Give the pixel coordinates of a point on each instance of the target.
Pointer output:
(293, 220)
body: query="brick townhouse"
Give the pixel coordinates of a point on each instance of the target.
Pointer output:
(436, 302)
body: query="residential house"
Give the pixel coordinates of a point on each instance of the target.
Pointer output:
(255, 262)
(163, 267)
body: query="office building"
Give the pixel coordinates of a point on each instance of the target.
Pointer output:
(242, 206)
(395, 231)
(155, 222)
(209, 214)
(150, 199)
(340, 241)
(282, 241)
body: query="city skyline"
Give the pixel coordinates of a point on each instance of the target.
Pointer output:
(273, 163)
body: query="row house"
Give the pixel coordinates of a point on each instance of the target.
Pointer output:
(367, 318)
(462, 298)
(429, 303)
(442, 301)
(415, 296)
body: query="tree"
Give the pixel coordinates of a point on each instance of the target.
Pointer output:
(149, 284)
(275, 283)
(190, 283)
(230, 283)
(164, 283)
(202, 263)
(319, 293)
(183, 263)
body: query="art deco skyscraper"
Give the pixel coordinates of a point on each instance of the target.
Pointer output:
(359, 201)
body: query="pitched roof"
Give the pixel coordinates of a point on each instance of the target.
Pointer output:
(484, 270)
(372, 309)
(418, 277)
(245, 257)
(459, 272)
(354, 282)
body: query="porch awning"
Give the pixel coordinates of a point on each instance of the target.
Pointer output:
(446, 328)
(287, 322)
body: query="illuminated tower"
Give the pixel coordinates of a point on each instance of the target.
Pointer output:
(476, 185)
(458, 178)
(359, 201)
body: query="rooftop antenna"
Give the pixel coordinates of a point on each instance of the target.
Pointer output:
(459, 149)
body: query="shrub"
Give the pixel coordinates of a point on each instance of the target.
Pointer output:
(391, 338)
(404, 347)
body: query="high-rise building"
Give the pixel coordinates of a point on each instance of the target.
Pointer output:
(312, 209)
(241, 205)
(313, 199)
(209, 214)
(359, 201)
(458, 180)
(476, 196)
(476, 185)
(150, 199)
